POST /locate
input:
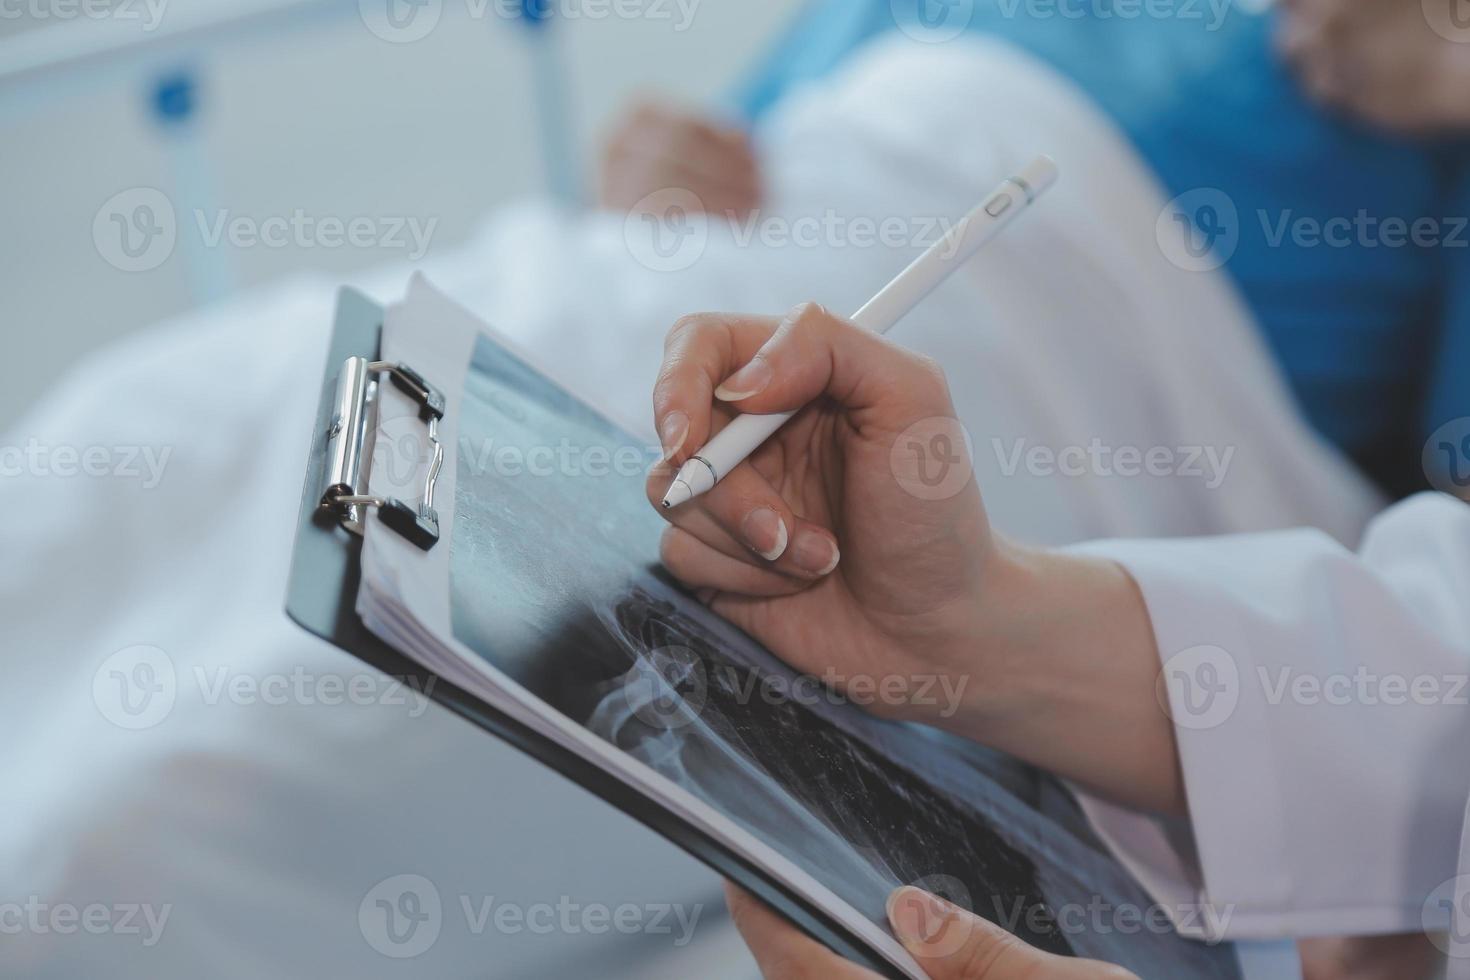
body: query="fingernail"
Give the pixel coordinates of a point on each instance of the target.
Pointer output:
(917, 916)
(765, 533)
(815, 553)
(749, 380)
(671, 433)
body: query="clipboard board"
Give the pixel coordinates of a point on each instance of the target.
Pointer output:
(325, 576)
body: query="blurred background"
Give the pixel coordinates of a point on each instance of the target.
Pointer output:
(269, 107)
(156, 156)
(434, 111)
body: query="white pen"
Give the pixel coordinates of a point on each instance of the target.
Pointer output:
(744, 435)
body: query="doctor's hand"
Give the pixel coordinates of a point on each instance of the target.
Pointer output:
(949, 943)
(827, 544)
(855, 546)
(656, 148)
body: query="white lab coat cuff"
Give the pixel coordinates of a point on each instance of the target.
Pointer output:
(1318, 698)
(1227, 871)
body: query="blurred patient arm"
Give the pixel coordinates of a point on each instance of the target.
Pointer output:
(1403, 957)
(1398, 64)
(658, 148)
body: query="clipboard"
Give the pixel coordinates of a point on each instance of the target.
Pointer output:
(325, 575)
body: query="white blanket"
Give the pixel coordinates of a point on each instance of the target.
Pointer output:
(245, 817)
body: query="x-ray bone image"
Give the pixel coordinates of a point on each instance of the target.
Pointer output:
(555, 582)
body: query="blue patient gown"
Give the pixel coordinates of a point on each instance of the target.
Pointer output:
(1374, 336)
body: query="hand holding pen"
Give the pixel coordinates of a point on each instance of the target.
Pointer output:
(741, 438)
(809, 518)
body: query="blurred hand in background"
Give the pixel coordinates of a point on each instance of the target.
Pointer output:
(1383, 60)
(656, 147)
(1403, 957)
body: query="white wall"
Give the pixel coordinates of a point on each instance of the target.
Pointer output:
(326, 118)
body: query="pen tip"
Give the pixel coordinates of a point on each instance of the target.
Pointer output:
(678, 493)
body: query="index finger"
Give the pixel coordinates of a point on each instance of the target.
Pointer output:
(701, 350)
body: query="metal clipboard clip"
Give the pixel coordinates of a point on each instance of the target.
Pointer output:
(346, 497)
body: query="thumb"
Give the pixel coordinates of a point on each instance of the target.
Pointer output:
(814, 354)
(952, 944)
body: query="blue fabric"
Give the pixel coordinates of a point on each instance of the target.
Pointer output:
(1201, 94)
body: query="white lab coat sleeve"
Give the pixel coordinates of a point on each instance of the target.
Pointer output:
(1320, 701)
